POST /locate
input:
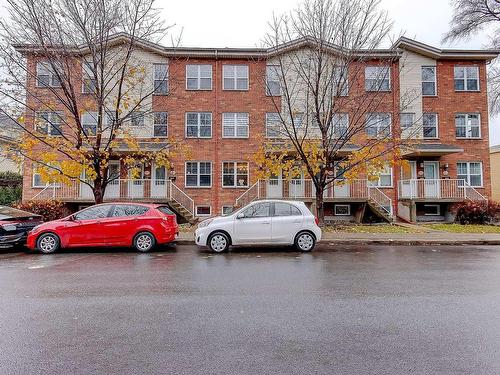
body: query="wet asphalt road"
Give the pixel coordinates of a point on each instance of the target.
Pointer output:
(348, 310)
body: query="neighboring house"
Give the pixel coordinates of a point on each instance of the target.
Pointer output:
(495, 172)
(222, 111)
(9, 135)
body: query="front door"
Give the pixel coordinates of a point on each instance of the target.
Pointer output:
(296, 187)
(113, 188)
(274, 188)
(88, 227)
(341, 189)
(408, 180)
(287, 221)
(159, 183)
(431, 181)
(254, 226)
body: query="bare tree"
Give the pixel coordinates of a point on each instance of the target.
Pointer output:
(77, 83)
(471, 17)
(332, 122)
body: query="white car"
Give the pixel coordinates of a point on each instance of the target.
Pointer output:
(266, 222)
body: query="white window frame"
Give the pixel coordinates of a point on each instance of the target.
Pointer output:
(199, 77)
(50, 73)
(377, 182)
(468, 127)
(87, 77)
(434, 68)
(468, 163)
(464, 67)
(378, 124)
(134, 115)
(277, 124)
(340, 73)
(235, 125)
(160, 79)
(50, 121)
(198, 125)
(342, 205)
(437, 125)
(155, 124)
(198, 174)
(235, 174)
(334, 127)
(379, 78)
(226, 206)
(34, 173)
(203, 215)
(230, 72)
(438, 211)
(412, 114)
(271, 78)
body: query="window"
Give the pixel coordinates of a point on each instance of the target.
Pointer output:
(273, 86)
(342, 210)
(285, 209)
(273, 125)
(340, 81)
(227, 210)
(340, 125)
(121, 210)
(199, 174)
(198, 125)
(160, 124)
(89, 83)
(407, 120)
(377, 78)
(165, 210)
(471, 172)
(235, 77)
(137, 118)
(89, 123)
(467, 125)
(37, 178)
(235, 125)
(432, 210)
(94, 212)
(234, 174)
(203, 210)
(378, 125)
(160, 79)
(384, 178)
(48, 123)
(198, 77)
(430, 125)
(428, 80)
(258, 210)
(466, 78)
(46, 76)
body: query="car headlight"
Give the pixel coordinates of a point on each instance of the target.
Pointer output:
(35, 227)
(205, 223)
(9, 227)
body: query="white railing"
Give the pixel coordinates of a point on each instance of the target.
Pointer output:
(128, 189)
(379, 198)
(249, 196)
(176, 194)
(446, 188)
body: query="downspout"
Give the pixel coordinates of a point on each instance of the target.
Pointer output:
(215, 129)
(396, 100)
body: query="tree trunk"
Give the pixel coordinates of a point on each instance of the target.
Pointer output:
(320, 209)
(98, 191)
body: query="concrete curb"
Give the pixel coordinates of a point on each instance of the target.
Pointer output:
(389, 242)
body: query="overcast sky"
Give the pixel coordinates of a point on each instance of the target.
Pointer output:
(238, 23)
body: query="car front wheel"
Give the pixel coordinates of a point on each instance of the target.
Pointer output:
(305, 241)
(48, 243)
(218, 242)
(144, 242)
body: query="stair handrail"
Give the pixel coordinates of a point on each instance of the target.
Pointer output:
(475, 196)
(243, 197)
(53, 186)
(379, 197)
(188, 202)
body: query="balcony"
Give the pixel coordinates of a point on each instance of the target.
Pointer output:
(438, 189)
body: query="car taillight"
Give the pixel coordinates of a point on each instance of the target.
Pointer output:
(316, 220)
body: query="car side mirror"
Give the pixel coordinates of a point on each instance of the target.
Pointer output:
(241, 215)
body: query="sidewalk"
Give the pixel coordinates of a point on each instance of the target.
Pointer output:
(432, 238)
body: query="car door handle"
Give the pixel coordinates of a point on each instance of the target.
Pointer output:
(266, 222)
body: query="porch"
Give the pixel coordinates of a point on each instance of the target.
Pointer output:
(443, 189)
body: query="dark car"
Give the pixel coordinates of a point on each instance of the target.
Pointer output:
(15, 225)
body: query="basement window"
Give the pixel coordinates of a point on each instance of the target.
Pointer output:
(203, 210)
(342, 210)
(432, 210)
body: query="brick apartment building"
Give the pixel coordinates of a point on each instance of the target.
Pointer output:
(220, 108)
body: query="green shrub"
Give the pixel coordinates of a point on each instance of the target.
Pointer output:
(477, 212)
(49, 210)
(10, 195)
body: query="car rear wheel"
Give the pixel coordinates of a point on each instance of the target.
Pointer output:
(48, 243)
(305, 241)
(218, 242)
(144, 242)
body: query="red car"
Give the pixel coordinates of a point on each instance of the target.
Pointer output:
(110, 224)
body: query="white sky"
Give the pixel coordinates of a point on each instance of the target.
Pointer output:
(242, 23)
